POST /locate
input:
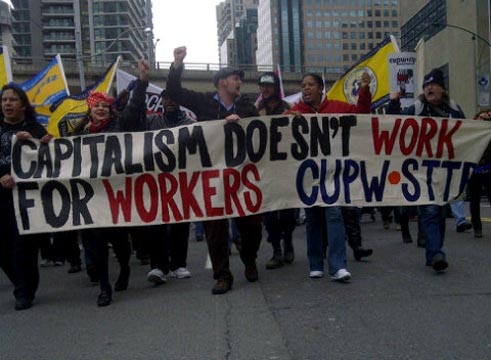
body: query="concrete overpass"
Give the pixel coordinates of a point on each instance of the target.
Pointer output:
(197, 77)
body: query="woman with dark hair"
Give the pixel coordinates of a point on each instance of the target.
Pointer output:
(18, 253)
(313, 101)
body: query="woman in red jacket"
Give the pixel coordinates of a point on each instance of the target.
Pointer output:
(313, 101)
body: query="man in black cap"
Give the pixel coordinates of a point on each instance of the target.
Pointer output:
(433, 102)
(225, 103)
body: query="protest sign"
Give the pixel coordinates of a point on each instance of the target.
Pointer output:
(219, 169)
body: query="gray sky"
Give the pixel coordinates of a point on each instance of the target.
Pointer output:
(190, 23)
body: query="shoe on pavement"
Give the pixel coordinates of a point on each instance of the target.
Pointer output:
(46, 263)
(360, 252)
(439, 264)
(58, 263)
(275, 262)
(156, 276)
(104, 298)
(222, 286)
(316, 274)
(74, 269)
(181, 273)
(463, 227)
(251, 273)
(22, 304)
(478, 233)
(289, 256)
(342, 275)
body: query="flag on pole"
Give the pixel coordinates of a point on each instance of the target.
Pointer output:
(68, 111)
(376, 64)
(5, 70)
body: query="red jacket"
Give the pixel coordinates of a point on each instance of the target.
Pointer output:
(336, 106)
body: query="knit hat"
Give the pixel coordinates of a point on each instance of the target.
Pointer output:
(95, 97)
(435, 76)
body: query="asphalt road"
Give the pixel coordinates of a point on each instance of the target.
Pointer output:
(394, 308)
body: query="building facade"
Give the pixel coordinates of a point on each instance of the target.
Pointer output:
(323, 35)
(236, 30)
(455, 37)
(95, 30)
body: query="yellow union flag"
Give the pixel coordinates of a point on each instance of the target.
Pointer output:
(66, 113)
(376, 64)
(5, 70)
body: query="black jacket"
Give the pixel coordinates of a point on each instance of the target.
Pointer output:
(206, 106)
(7, 131)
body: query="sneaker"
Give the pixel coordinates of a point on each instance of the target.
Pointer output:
(221, 286)
(46, 263)
(58, 263)
(180, 273)
(342, 275)
(463, 227)
(156, 276)
(316, 274)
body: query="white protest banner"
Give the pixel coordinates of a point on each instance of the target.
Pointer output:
(402, 76)
(220, 169)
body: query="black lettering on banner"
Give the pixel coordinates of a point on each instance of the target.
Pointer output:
(44, 162)
(130, 167)
(112, 157)
(47, 199)
(347, 122)
(24, 202)
(77, 157)
(234, 131)
(148, 152)
(300, 150)
(79, 201)
(262, 130)
(319, 137)
(161, 144)
(191, 142)
(17, 159)
(275, 138)
(63, 151)
(93, 141)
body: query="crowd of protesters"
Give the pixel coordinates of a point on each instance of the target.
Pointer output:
(165, 247)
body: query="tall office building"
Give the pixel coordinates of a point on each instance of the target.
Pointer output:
(322, 35)
(236, 29)
(453, 36)
(6, 26)
(99, 30)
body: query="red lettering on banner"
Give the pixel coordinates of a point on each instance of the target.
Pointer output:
(120, 200)
(185, 196)
(231, 185)
(151, 183)
(209, 191)
(167, 197)
(415, 137)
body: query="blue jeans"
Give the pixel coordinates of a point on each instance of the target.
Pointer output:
(433, 226)
(336, 255)
(458, 212)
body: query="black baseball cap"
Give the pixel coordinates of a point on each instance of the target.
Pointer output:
(226, 72)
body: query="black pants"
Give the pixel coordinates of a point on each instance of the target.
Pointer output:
(18, 253)
(169, 246)
(250, 229)
(280, 224)
(96, 242)
(65, 247)
(351, 217)
(475, 185)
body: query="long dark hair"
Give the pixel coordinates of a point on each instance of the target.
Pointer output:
(29, 113)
